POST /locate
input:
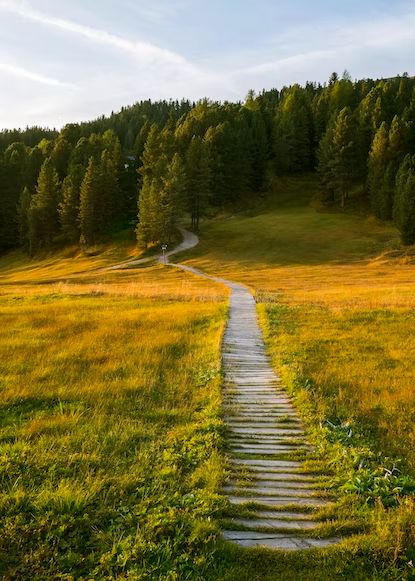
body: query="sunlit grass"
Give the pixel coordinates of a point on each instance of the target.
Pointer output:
(336, 298)
(338, 301)
(110, 429)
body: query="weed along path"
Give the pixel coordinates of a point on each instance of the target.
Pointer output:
(265, 436)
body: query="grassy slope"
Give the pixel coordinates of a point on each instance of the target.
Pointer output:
(109, 404)
(337, 307)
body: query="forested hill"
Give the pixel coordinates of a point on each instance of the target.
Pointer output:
(147, 165)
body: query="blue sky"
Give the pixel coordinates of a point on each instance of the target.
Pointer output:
(72, 60)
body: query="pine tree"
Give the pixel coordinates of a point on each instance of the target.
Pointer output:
(109, 206)
(386, 155)
(8, 203)
(198, 179)
(60, 157)
(173, 196)
(378, 161)
(151, 153)
(344, 160)
(43, 212)
(90, 219)
(404, 205)
(23, 217)
(148, 228)
(325, 154)
(293, 136)
(69, 207)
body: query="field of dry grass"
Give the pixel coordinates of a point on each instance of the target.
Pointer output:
(111, 431)
(109, 404)
(338, 300)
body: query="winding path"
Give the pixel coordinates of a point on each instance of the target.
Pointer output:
(265, 436)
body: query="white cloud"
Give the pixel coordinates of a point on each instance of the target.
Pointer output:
(33, 76)
(143, 51)
(111, 70)
(369, 48)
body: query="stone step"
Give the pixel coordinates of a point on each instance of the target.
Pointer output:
(283, 514)
(269, 464)
(271, 437)
(274, 523)
(252, 443)
(278, 501)
(257, 448)
(259, 430)
(282, 541)
(276, 484)
(271, 491)
(260, 474)
(274, 451)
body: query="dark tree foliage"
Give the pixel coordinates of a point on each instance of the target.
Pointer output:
(404, 205)
(172, 158)
(43, 220)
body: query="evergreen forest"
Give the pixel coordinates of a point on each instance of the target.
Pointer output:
(146, 166)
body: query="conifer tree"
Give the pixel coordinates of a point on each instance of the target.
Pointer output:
(325, 154)
(151, 153)
(404, 204)
(8, 205)
(89, 215)
(148, 228)
(377, 165)
(69, 207)
(60, 157)
(23, 217)
(293, 133)
(43, 212)
(344, 160)
(198, 179)
(109, 206)
(173, 196)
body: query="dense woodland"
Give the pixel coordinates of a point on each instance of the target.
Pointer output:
(146, 166)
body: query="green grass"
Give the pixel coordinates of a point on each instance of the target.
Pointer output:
(335, 297)
(110, 432)
(111, 439)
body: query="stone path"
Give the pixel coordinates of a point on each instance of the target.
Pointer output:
(189, 241)
(264, 437)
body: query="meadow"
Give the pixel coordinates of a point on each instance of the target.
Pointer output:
(336, 296)
(112, 444)
(110, 431)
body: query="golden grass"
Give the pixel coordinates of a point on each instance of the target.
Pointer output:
(106, 378)
(348, 294)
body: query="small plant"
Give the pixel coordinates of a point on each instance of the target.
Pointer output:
(387, 485)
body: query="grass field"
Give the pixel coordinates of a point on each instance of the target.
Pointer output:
(337, 303)
(111, 439)
(336, 299)
(110, 431)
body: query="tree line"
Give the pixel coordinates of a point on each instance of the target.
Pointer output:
(150, 164)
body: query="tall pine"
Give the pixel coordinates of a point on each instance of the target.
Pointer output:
(89, 210)
(404, 204)
(43, 211)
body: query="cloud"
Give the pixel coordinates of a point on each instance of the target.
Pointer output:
(32, 76)
(143, 51)
(368, 48)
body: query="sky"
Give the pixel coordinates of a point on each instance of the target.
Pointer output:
(65, 61)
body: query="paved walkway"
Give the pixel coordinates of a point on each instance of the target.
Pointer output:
(189, 241)
(264, 436)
